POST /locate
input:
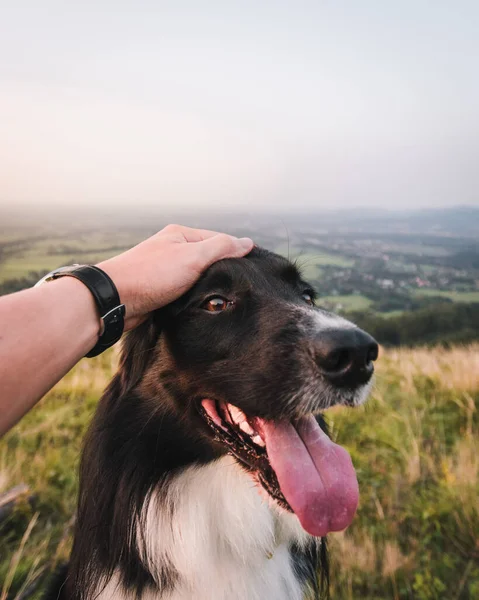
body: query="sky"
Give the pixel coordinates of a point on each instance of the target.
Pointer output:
(271, 104)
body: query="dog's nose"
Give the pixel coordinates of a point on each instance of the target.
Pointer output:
(345, 356)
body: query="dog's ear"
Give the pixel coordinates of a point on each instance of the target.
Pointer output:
(137, 351)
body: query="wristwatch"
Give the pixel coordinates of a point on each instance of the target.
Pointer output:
(107, 299)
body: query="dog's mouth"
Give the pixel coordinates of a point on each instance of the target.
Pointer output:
(295, 461)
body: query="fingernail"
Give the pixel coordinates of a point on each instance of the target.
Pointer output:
(245, 243)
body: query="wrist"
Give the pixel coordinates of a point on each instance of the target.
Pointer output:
(85, 318)
(104, 294)
(123, 285)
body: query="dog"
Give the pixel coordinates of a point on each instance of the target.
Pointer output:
(207, 473)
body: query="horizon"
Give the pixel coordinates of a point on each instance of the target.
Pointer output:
(153, 218)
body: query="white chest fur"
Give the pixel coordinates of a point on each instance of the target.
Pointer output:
(223, 538)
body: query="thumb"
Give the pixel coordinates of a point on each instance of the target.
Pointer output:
(223, 246)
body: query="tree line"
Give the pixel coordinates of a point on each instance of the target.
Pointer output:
(447, 323)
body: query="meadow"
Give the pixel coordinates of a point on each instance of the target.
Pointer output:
(415, 446)
(23, 251)
(451, 295)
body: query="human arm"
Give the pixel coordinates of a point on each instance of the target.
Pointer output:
(45, 331)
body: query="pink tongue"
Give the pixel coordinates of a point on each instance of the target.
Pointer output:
(316, 476)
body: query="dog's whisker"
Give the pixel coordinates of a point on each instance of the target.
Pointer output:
(153, 413)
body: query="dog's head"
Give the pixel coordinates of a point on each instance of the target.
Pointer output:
(246, 360)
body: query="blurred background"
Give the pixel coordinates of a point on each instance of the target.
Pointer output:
(344, 135)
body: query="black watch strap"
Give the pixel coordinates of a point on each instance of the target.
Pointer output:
(107, 299)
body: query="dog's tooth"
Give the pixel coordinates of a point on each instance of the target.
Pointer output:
(227, 414)
(246, 427)
(237, 414)
(258, 441)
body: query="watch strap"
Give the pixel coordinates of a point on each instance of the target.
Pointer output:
(107, 299)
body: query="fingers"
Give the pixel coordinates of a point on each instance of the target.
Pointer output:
(188, 233)
(222, 246)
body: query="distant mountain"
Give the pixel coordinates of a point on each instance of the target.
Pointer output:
(460, 221)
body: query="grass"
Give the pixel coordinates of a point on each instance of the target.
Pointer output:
(415, 446)
(416, 450)
(455, 296)
(352, 302)
(49, 250)
(311, 262)
(43, 452)
(392, 314)
(20, 266)
(324, 258)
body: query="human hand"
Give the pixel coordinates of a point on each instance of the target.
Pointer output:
(166, 265)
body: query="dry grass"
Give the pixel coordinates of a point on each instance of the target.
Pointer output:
(453, 368)
(4, 481)
(415, 447)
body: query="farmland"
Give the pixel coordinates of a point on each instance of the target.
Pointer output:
(384, 265)
(22, 253)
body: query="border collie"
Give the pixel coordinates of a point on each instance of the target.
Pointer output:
(207, 473)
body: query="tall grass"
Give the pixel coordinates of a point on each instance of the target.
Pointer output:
(416, 450)
(43, 452)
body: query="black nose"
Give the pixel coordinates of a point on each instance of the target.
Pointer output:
(345, 356)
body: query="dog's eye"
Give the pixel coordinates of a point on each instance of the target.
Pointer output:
(308, 298)
(216, 304)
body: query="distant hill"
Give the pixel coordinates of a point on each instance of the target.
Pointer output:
(461, 221)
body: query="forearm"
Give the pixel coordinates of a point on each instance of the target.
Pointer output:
(44, 332)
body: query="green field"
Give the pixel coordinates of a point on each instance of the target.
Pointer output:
(47, 250)
(311, 262)
(353, 302)
(455, 296)
(415, 447)
(324, 258)
(391, 314)
(20, 266)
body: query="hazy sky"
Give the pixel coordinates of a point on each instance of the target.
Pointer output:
(324, 104)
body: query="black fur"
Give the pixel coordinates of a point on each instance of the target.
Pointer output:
(148, 426)
(57, 585)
